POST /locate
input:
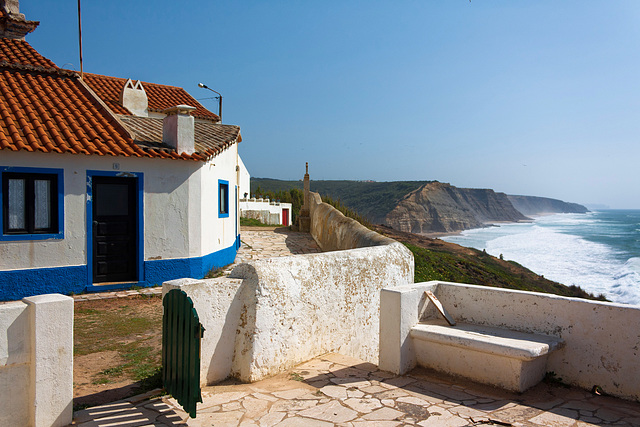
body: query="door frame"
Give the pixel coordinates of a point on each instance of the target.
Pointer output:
(139, 251)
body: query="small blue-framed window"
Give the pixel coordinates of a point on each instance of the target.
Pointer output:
(32, 202)
(223, 199)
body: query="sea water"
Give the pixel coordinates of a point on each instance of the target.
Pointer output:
(598, 251)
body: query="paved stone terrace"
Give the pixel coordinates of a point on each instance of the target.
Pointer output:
(342, 391)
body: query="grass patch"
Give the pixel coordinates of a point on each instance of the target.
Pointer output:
(296, 377)
(131, 327)
(251, 222)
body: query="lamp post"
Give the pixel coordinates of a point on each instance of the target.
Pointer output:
(219, 98)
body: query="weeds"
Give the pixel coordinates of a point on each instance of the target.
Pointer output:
(296, 377)
(216, 272)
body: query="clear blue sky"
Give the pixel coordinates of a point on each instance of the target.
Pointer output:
(526, 97)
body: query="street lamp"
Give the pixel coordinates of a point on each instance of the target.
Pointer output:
(219, 98)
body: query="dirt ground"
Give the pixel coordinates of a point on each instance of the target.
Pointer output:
(117, 348)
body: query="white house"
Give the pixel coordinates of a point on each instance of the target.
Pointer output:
(266, 211)
(107, 182)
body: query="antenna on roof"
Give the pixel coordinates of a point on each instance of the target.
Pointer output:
(80, 38)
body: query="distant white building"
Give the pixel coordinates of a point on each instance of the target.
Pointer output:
(266, 211)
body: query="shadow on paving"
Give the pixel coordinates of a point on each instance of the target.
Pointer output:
(334, 389)
(298, 242)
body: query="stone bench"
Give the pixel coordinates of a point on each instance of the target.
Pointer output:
(501, 357)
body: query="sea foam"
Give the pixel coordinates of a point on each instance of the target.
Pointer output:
(548, 248)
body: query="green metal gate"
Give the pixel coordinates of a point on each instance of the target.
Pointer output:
(181, 334)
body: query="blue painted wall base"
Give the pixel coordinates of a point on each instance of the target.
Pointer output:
(18, 284)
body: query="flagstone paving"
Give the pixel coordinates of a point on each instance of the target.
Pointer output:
(336, 390)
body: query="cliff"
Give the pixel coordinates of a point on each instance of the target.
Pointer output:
(439, 207)
(531, 205)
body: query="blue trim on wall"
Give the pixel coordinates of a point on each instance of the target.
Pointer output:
(60, 234)
(222, 182)
(140, 225)
(158, 271)
(18, 284)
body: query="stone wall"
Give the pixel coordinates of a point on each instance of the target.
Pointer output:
(272, 314)
(299, 307)
(601, 339)
(333, 231)
(36, 361)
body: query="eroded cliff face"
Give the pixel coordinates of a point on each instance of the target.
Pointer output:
(532, 205)
(439, 207)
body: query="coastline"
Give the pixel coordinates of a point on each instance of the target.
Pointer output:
(439, 234)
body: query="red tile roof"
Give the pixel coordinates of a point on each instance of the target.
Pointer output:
(19, 52)
(47, 109)
(160, 97)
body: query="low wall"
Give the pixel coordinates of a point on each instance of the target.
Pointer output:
(272, 314)
(36, 361)
(333, 231)
(602, 339)
(300, 307)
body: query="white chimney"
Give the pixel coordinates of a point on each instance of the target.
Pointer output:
(178, 128)
(134, 98)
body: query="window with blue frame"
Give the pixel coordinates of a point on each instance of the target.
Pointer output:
(30, 203)
(223, 199)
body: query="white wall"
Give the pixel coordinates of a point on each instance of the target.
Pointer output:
(218, 303)
(244, 185)
(265, 210)
(180, 207)
(217, 233)
(602, 342)
(36, 361)
(290, 309)
(299, 307)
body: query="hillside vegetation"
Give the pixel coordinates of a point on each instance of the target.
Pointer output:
(373, 200)
(436, 259)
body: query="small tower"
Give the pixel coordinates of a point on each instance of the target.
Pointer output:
(304, 219)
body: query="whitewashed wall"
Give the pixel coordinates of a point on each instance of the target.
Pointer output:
(217, 233)
(179, 197)
(265, 210)
(290, 309)
(299, 307)
(36, 361)
(245, 180)
(602, 340)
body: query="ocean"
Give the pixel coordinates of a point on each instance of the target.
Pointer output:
(598, 251)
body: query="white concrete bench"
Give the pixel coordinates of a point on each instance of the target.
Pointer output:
(501, 357)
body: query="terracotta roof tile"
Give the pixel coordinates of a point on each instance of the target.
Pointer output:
(160, 97)
(19, 52)
(47, 109)
(50, 112)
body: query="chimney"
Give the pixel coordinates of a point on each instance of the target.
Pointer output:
(178, 128)
(13, 24)
(134, 98)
